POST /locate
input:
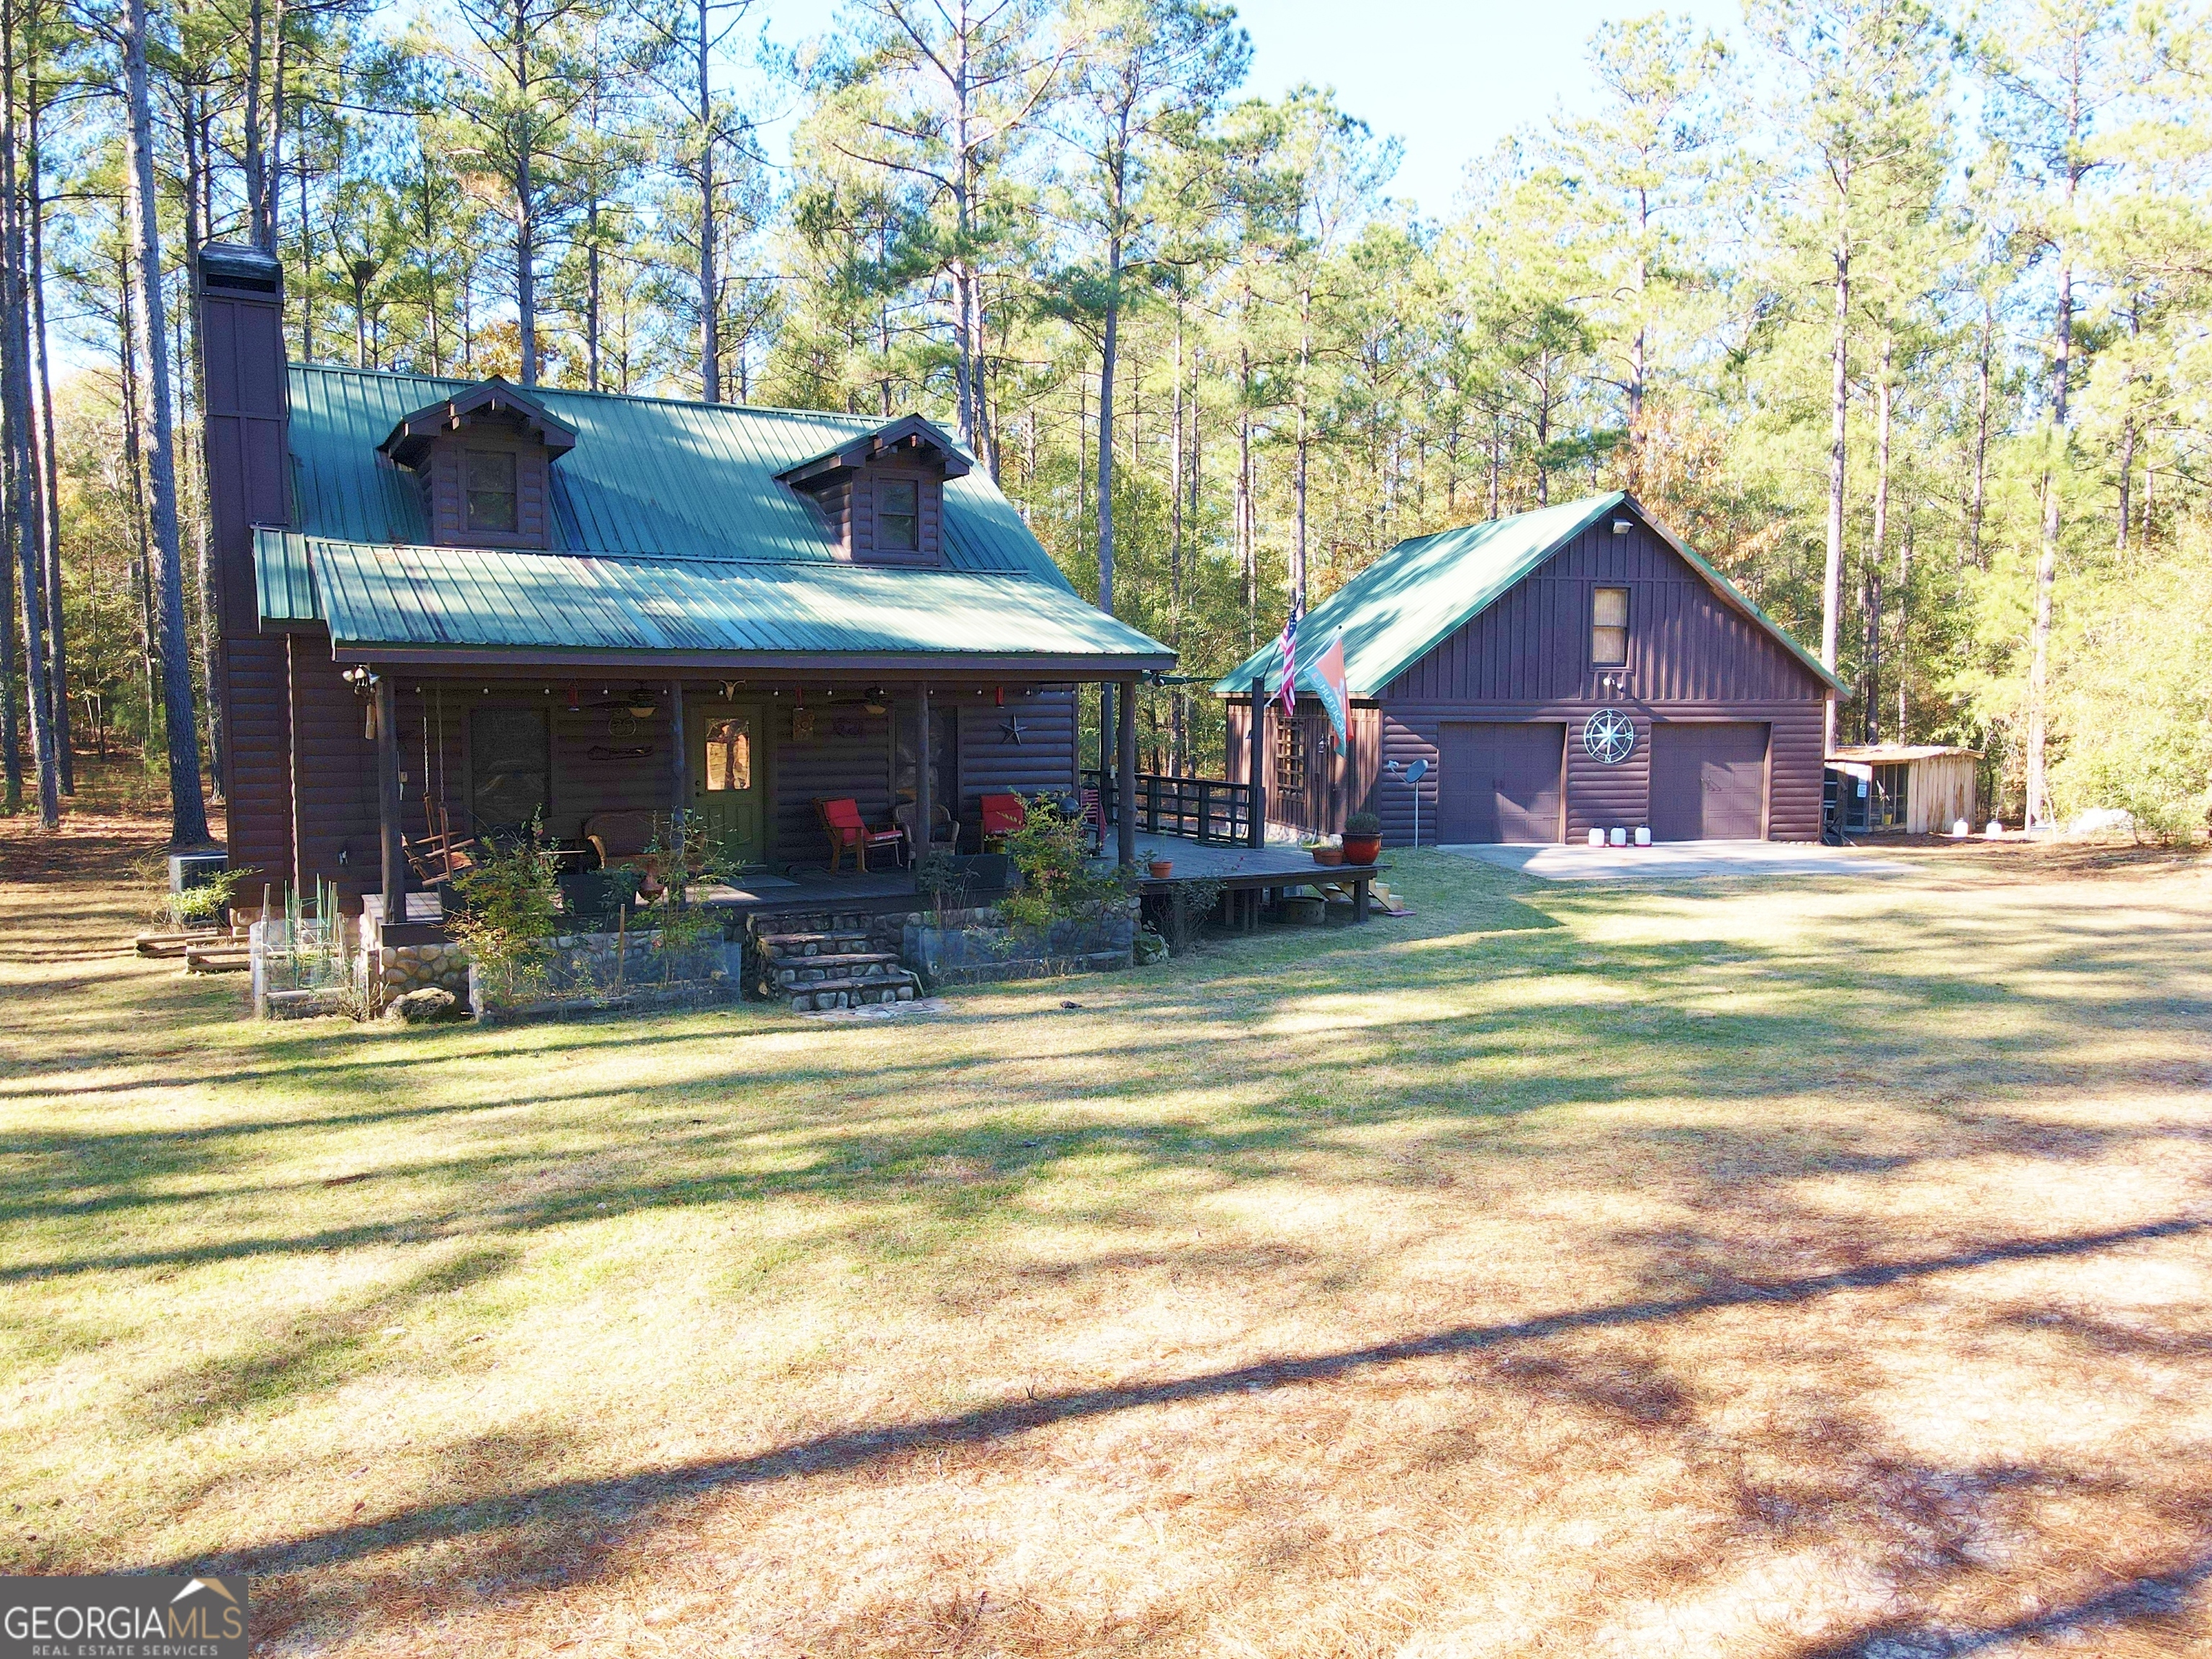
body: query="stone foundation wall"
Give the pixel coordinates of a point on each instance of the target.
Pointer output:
(975, 947)
(404, 967)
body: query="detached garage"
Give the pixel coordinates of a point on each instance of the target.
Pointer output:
(1573, 668)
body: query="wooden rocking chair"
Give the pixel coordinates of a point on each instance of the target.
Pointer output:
(442, 855)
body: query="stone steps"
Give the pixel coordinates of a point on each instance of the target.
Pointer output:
(826, 960)
(855, 992)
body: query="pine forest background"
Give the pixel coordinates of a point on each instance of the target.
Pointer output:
(1898, 312)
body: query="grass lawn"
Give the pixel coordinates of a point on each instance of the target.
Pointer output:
(1730, 1269)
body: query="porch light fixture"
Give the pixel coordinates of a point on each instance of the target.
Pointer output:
(1620, 526)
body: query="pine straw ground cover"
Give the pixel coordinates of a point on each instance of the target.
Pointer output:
(1733, 1269)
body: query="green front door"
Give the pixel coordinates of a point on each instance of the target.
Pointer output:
(729, 780)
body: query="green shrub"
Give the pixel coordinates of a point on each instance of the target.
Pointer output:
(1060, 881)
(1362, 826)
(506, 918)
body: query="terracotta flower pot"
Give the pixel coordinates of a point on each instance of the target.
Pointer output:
(1162, 868)
(1331, 856)
(1364, 850)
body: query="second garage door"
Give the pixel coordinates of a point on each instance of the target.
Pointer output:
(1708, 782)
(1500, 781)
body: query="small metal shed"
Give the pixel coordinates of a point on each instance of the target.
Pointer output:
(1918, 788)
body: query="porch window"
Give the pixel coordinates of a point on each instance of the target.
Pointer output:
(1609, 627)
(898, 515)
(730, 755)
(490, 489)
(1290, 757)
(509, 766)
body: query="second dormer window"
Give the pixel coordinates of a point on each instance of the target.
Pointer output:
(491, 490)
(898, 516)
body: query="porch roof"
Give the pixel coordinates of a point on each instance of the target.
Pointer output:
(417, 602)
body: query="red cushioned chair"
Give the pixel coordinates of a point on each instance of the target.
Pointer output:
(1003, 816)
(843, 827)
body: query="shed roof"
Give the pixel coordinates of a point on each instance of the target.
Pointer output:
(647, 477)
(1890, 754)
(1412, 599)
(405, 602)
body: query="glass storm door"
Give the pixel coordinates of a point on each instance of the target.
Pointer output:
(728, 781)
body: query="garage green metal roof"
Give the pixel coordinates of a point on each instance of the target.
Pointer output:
(425, 600)
(1411, 600)
(648, 476)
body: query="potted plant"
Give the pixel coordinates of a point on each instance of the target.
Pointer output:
(1362, 838)
(1326, 852)
(1161, 868)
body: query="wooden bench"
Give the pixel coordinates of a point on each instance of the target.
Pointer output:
(629, 839)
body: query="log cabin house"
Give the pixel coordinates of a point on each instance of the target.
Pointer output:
(1571, 669)
(441, 599)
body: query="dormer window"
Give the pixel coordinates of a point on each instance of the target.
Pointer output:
(482, 462)
(491, 490)
(898, 515)
(879, 497)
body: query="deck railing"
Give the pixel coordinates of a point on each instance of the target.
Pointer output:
(1207, 808)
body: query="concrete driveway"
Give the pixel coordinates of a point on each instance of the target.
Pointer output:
(1682, 860)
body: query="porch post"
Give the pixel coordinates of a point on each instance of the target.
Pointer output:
(1257, 772)
(679, 769)
(387, 800)
(925, 808)
(1124, 771)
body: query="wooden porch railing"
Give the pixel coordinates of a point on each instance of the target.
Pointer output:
(1207, 808)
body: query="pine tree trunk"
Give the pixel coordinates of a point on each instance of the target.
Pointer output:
(24, 513)
(2038, 809)
(1106, 354)
(710, 298)
(43, 415)
(188, 808)
(1839, 399)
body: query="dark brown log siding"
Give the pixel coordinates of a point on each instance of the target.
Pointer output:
(1337, 781)
(1042, 762)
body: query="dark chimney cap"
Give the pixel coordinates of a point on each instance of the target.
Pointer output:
(227, 267)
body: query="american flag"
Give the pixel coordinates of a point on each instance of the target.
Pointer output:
(1287, 692)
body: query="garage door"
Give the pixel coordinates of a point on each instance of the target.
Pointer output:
(1708, 782)
(1499, 782)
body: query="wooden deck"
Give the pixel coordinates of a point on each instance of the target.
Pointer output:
(1249, 876)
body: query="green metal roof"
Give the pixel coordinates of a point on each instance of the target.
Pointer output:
(419, 598)
(672, 535)
(1412, 599)
(648, 476)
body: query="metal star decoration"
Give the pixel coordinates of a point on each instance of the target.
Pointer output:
(1009, 729)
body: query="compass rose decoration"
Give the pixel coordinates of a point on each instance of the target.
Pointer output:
(1610, 737)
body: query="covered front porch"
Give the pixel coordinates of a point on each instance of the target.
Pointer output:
(624, 769)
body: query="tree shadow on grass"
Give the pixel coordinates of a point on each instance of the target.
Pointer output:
(2152, 1603)
(630, 1496)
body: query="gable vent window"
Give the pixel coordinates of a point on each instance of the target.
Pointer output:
(898, 516)
(1609, 627)
(492, 489)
